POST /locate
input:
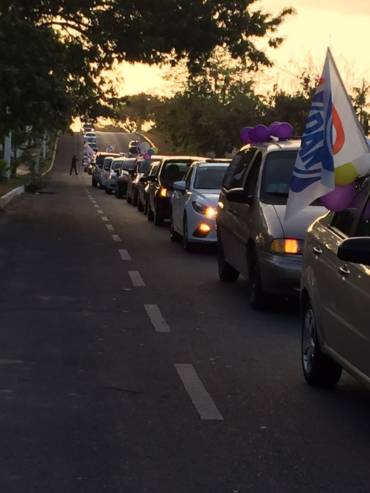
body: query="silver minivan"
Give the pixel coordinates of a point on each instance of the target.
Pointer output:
(336, 294)
(253, 238)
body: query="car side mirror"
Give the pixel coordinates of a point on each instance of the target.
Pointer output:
(239, 195)
(355, 250)
(179, 186)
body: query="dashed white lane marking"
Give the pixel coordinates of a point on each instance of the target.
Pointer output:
(136, 279)
(124, 254)
(104, 218)
(96, 206)
(99, 211)
(116, 238)
(109, 227)
(156, 317)
(201, 399)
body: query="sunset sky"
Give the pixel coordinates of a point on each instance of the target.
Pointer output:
(341, 24)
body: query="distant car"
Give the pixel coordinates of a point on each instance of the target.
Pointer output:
(128, 165)
(194, 203)
(143, 185)
(171, 169)
(141, 167)
(98, 168)
(133, 146)
(335, 295)
(253, 238)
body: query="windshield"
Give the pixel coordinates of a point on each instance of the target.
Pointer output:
(277, 173)
(209, 177)
(174, 170)
(116, 166)
(129, 164)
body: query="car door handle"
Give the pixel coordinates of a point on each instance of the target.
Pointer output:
(344, 271)
(317, 251)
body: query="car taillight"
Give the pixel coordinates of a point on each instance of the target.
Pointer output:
(289, 246)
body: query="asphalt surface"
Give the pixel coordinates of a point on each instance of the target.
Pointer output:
(127, 367)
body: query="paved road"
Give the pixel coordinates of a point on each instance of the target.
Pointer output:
(116, 140)
(107, 385)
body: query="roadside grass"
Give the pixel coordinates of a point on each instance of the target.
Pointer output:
(6, 186)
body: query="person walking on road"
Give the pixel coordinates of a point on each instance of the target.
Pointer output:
(74, 165)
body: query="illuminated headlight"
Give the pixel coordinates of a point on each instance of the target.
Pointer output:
(290, 246)
(204, 209)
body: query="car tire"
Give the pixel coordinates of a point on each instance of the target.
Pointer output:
(257, 297)
(108, 191)
(174, 236)
(94, 183)
(157, 218)
(134, 199)
(226, 272)
(150, 215)
(318, 369)
(140, 206)
(128, 198)
(186, 244)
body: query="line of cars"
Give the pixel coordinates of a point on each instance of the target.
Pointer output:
(322, 256)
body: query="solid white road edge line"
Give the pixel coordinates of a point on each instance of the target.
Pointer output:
(136, 279)
(198, 394)
(124, 254)
(156, 317)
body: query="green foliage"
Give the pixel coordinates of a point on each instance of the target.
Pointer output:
(3, 169)
(53, 53)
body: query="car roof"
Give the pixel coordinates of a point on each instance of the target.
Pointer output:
(279, 145)
(184, 158)
(212, 163)
(108, 154)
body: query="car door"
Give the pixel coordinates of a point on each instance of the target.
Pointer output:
(245, 213)
(337, 281)
(226, 222)
(180, 199)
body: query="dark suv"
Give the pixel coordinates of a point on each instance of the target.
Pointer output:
(141, 167)
(143, 185)
(172, 169)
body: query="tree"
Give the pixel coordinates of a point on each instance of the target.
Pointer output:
(360, 103)
(84, 37)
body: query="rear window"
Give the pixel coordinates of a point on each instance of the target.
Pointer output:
(209, 177)
(276, 177)
(174, 170)
(116, 165)
(129, 164)
(143, 166)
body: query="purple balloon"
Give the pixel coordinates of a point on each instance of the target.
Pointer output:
(340, 198)
(147, 156)
(244, 134)
(282, 130)
(273, 128)
(260, 133)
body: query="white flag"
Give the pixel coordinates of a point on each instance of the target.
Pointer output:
(332, 139)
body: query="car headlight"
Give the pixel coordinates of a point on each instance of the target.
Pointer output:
(290, 246)
(205, 210)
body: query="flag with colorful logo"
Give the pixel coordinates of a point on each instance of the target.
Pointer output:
(334, 150)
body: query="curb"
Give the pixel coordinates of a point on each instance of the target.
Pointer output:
(5, 199)
(9, 196)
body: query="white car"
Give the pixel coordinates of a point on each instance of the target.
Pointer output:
(194, 203)
(335, 294)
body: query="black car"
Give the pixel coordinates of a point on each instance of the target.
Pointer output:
(143, 185)
(160, 185)
(99, 161)
(141, 167)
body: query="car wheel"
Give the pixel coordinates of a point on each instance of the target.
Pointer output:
(257, 297)
(108, 190)
(187, 245)
(150, 214)
(174, 236)
(318, 369)
(157, 218)
(226, 272)
(134, 199)
(128, 198)
(140, 207)
(94, 183)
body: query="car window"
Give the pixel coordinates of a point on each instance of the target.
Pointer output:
(235, 174)
(209, 177)
(143, 166)
(129, 164)
(107, 162)
(252, 178)
(276, 177)
(116, 165)
(174, 170)
(345, 220)
(363, 227)
(187, 178)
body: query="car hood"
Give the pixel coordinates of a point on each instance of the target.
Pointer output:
(297, 225)
(210, 198)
